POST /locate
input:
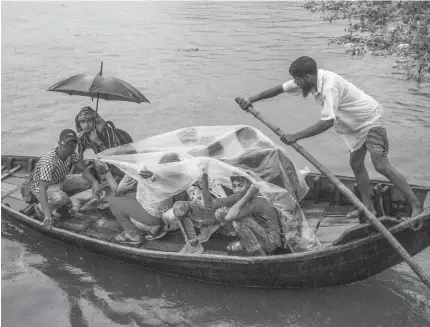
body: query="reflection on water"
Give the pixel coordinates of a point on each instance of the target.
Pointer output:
(243, 48)
(63, 283)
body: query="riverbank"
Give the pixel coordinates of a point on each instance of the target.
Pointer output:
(400, 29)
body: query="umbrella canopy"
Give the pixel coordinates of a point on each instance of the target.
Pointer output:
(99, 86)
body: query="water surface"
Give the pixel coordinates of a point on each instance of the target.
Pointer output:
(243, 48)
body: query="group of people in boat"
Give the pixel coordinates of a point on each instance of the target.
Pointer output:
(252, 217)
(356, 117)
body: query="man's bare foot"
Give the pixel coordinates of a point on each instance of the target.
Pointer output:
(356, 213)
(416, 211)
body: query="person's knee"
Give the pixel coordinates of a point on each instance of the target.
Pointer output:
(180, 209)
(57, 199)
(87, 183)
(357, 164)
(380, 163)
(111, 198)
(238, 224)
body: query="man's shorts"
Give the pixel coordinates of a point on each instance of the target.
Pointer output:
(377, 142)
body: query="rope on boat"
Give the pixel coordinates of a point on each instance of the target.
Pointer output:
(411, 224)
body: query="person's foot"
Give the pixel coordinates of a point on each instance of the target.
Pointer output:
(127, 238)
(356, 213)
(207, 231)
(192, 249)
(235, 246)
(156, 232)
(417, 211)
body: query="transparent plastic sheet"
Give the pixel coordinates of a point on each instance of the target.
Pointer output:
(225, 150)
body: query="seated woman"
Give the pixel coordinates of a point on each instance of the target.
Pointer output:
(254, 219)
(97, 134)
(126, 209)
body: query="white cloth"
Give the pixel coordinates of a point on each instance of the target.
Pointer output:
(127, 183)
(354, 112)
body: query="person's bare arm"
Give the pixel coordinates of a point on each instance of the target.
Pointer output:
(288, 87)
(239, 209)
(85, 173)
(318, 128)
(88, 176)
(266, 94)
(208, 201)
(43, 197)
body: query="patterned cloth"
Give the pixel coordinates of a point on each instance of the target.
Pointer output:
(256, 232)
(377, 142)
(51, 169)
(105, 133)
(58, 194)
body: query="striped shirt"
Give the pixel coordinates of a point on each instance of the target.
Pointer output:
(108, 137)
(51, 169)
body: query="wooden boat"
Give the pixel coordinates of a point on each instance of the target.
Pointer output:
(351, 251)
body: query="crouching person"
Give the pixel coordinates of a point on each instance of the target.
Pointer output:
(130, 214)
(255, 220)
(208, 218)
(51, 183)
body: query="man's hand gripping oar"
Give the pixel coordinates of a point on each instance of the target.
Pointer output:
(245, 105)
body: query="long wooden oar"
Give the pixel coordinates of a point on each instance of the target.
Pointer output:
(351, 196)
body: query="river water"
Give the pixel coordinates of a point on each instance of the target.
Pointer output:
(243, 48)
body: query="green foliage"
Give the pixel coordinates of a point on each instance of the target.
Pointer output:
(397, 28)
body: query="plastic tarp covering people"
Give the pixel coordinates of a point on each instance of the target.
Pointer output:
(223, 151)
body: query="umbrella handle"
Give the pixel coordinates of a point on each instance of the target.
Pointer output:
(97, 107)
(98, 96)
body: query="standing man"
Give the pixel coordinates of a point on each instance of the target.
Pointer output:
(356, 117)
(52, 185)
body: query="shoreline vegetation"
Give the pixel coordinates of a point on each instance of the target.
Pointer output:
(400, 29)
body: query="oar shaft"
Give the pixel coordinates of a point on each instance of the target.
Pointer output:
(351, 196)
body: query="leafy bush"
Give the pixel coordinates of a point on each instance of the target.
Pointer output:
(397, 28)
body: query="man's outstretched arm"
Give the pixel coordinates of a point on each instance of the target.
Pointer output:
(288, 87)
(266, 94)
(313, 130)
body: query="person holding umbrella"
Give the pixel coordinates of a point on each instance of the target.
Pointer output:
(93, 131)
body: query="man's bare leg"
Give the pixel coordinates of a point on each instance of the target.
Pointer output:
(383, 167)
(356, 160)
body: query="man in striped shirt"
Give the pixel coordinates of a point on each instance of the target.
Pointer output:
(52, 185)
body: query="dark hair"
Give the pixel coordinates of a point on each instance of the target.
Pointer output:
(302, 66)
(235, 177)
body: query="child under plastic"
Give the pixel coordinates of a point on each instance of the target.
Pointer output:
(254, 219)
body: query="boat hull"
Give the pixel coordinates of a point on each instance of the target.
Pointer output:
(334, 265)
